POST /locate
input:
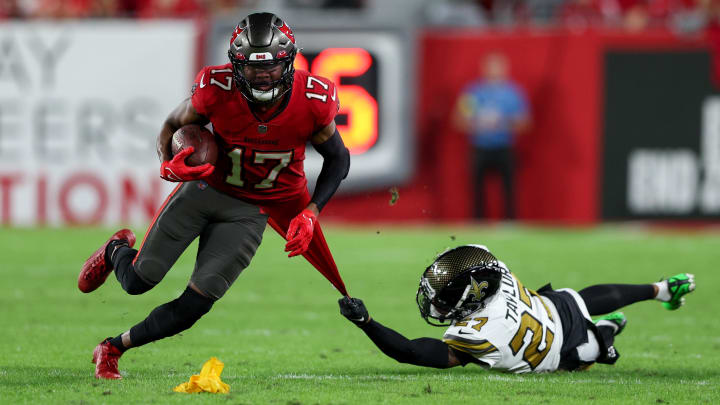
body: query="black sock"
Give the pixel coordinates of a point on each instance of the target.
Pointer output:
(117, 342)
(112, 248)
(606, 298)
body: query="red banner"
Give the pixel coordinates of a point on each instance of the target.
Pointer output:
(558, 170)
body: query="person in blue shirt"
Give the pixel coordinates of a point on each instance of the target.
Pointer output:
(492, 111)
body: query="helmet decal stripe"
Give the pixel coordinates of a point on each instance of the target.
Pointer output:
(288, 32)
(235, 34)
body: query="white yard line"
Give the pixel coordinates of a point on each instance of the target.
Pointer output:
(488, 377)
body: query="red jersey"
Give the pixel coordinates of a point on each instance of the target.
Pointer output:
(262, 161)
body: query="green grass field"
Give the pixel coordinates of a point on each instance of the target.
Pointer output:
(283, 341)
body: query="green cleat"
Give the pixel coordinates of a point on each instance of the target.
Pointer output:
(616, 318)
(679, 285)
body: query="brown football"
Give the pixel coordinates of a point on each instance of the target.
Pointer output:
(201, 139)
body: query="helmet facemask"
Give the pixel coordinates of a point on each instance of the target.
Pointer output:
(460, 281)
(425, 298)
(252, 90)
(260, 41)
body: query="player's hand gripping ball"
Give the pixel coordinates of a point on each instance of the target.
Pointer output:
(200, 139)
(194, 155)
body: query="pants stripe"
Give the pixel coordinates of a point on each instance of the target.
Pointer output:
(157, 214)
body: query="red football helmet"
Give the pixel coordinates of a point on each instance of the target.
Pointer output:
(262, 41)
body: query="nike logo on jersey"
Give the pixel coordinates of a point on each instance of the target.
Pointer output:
(202, 85)
(460, 332)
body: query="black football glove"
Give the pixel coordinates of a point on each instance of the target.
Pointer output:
(354, 310)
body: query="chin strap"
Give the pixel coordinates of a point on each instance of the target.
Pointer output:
(461, 301)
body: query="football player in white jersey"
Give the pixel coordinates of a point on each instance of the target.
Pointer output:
(496, 322)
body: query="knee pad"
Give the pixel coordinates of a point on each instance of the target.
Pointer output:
(214, 285)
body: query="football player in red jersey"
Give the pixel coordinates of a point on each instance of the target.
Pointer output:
(263, 113)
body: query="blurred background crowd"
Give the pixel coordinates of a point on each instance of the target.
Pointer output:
(680, 15)
(551, 111)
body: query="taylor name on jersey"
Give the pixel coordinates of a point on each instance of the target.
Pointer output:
(517, 330)
(263, 157)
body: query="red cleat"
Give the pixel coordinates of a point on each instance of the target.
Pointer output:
(95, 270)
(105, 357)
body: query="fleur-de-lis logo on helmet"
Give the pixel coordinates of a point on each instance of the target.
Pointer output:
(476, 289)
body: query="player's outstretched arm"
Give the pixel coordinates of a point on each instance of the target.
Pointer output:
(426, 352)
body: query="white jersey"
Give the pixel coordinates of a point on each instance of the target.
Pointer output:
(517, 331)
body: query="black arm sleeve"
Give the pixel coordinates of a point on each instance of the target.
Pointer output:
(425, 352)
(336, 164)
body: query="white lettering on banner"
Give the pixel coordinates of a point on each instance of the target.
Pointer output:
(710, 191)
(12, 66)
(676, 181)
(47, 56)
(44, 56)
(710, 147)
(79, 118)
(57, 133)
(79, 198)
(662, 181)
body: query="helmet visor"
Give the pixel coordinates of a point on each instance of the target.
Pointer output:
(428, 310)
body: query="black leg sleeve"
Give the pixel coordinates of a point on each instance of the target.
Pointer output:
(426, 352)
(125, 271)
(171, 318)
(605, 298)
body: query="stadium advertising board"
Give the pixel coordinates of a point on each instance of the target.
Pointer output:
(80, 108)
(662, 136)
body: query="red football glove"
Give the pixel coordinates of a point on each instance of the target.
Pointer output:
(300, 233)
(177, 170)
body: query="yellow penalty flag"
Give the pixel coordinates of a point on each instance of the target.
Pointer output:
(207, 381)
